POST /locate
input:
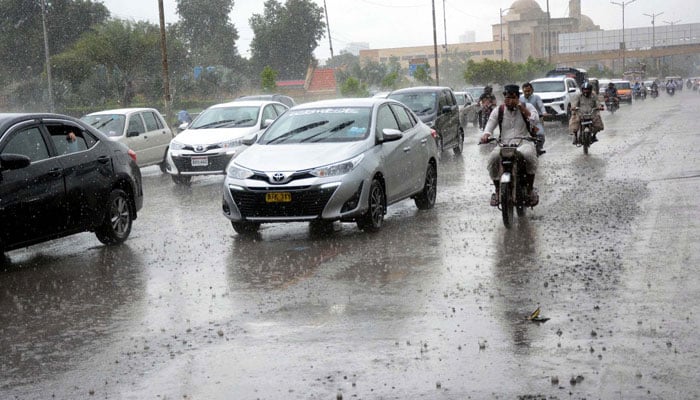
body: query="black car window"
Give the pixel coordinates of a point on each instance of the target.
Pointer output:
(28, 142)
(386, 119)
(403, 118)
(135, 124)
(66, 143)
(151, 121)
(442, 101)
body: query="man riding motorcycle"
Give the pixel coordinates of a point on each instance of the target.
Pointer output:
(487, 100)
(585, 103)
(513, 124)
(611, 94)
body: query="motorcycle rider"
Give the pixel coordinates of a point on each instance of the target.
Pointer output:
(670, 85)
(585, 103)
(513, 125)
(655, 88)
(487, 100)
(528, 96)
(611, 93)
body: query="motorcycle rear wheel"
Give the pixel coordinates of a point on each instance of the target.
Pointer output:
(507, 204)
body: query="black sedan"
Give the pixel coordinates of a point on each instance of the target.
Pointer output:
(59, 176)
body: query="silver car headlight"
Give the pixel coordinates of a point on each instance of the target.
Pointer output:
(236, 172)
(337, 169)
(559, 99)
(231, 143)
(175, 145)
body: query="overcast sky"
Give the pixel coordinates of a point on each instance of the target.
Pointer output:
(402, 23)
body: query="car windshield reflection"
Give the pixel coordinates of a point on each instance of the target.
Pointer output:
(319, 126)
(109, 124)
(226, 117)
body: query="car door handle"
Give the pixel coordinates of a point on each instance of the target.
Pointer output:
(103, 159)
(424, 141)
(56, 172)
(406, 149)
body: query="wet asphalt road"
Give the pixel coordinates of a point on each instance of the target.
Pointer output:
(433, 306)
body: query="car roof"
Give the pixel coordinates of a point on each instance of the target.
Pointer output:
(124, 110)
(420, 89)
(552, 79)
(345, 102)
(247, 103)
(9, 119)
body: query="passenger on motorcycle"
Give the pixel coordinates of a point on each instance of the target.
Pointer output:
(528, 96)
(487, 101)
(585, 103)
(513, 125)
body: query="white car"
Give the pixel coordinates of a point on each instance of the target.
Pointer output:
(215, 136)
(143, 130)
(556, 93)
(343, 159)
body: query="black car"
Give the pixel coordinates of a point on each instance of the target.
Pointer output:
(437, 107)
(59, 176)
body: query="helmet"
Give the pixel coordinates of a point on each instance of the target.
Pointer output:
(488, 89)
(586, 86)
(611, 84)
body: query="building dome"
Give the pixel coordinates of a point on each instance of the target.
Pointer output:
(525, 10)
(586, 24)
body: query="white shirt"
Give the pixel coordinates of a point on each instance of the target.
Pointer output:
(513, 122)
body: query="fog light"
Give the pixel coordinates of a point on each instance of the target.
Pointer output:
(353, 201)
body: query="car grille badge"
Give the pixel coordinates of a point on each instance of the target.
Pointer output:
(278, 177)
(200, 148)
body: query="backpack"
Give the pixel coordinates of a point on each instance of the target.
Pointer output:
(531, 129)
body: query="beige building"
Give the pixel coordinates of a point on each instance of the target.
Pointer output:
(525, 30)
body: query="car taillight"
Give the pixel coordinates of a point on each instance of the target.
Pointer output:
(132, 154)
(433, 133)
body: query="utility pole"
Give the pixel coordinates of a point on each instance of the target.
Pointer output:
(671, 43)
(164, 55)
(653, 29)
(549, 38)
(437, 75)
(500, 36)
(622, 44)
(328, 26)
(46, 55)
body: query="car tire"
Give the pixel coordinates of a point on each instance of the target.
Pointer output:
(373, 218)
(425, 200)
(459, 147)
(245, 227)
(181, 179)
(116, 226)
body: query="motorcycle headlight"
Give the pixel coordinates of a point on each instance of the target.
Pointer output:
(175, 145)
(337, 169)
(236, 172)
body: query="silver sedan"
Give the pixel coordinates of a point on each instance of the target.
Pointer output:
(343, 159)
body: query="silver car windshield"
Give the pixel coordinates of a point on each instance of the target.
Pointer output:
(319, 125)
(109, 124)
(226, 117)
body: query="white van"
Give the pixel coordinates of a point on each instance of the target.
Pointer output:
(556, 93)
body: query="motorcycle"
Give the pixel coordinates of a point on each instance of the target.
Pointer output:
(513, 187)
(584, 136)
(654, 93)
(612, 104)
(671, 91)
(640, 93)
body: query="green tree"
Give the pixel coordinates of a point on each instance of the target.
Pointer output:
(352, 87)
(268, 78)
(422, 74)
(285, 36)
(205, 27)
(21, 33)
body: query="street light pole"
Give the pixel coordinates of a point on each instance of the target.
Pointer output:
(672, 23)
(500, 14)
(46, 55)
(653, 28)
(622, 44)
(435, 50)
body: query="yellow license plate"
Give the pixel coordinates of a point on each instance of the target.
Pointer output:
(278, 197)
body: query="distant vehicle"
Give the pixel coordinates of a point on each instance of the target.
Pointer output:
(381, 95)
(580, 75)
(468, 108)
(60, 176)
(216, 135)
(475, 91)
(342, 159)
(556, 94)
(624, 90)
(437, 107)
(286, 100)
(143, 130)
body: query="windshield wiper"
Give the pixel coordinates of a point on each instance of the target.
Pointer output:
(99, 124)
(211, 124)
(332, 130)
(297, 130)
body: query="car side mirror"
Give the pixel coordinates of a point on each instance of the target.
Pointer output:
(267, 123)
(390, 135)
(13, 161)
(183, 126)
(446, 109)
(250, 139)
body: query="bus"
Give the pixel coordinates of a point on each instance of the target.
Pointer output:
(579, 74)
